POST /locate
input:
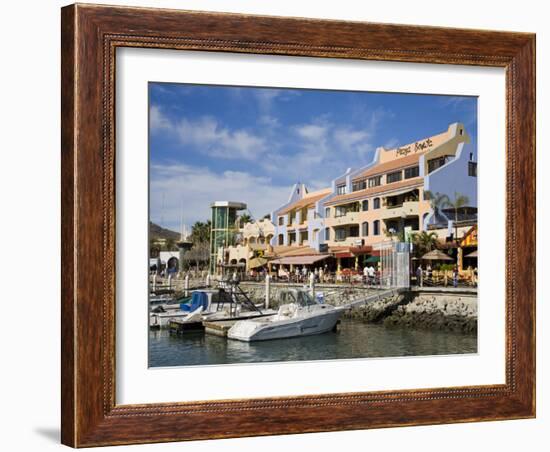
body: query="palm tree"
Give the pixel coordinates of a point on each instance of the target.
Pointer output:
(458, 202)
(437, 200)
(200, 232)
(242, 220)
(424, 242)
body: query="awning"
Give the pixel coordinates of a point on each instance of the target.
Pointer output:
(257, 262)
(399, 192)
(344, 255)
(299, 260)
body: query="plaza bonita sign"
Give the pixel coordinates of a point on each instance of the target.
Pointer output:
(416, 147)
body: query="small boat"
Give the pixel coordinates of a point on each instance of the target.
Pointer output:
(299, 315)
(162, 319)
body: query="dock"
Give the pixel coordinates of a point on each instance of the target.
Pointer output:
(218, 328)
(181, 327)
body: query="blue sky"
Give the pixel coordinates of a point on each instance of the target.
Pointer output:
(210, 143)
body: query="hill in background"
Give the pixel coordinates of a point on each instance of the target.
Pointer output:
(157, 232)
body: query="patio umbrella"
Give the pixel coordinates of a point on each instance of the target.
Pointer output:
(472, 254)
(436, 255)
(257, 262)
(373, 259)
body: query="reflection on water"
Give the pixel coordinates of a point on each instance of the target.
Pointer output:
(354, 340)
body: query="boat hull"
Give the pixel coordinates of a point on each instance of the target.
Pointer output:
(249, 331)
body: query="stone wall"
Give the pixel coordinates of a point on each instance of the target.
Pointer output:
(332, 294)
(452, 312)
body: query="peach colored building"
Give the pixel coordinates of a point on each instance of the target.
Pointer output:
(385, 197)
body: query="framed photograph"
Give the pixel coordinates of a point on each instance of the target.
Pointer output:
(282, 225)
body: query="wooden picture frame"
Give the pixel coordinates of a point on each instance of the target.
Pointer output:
(90, 36)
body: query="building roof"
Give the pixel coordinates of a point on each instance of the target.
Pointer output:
(380, 190)
(307, 201)
(230, 204)
(396, 164)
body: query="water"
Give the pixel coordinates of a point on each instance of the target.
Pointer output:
(355, 339)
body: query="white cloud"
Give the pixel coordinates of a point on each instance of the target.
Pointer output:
(213, 139)
(177, 186)
(348, 138)
(268, 121)
(265, 98)
(312, 132)
(209, 137)
(157, 120)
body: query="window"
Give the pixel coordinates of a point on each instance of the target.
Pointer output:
(281, 221)
(375, 181)
(339, 211)
(327, 212)
(341, 189)
(394, 177)
(327, 233)
(365, 205)
(359, 185)
(472, 169)
(340, 234)
(411, 172)
(354, 231)
(376, 203)
(365, 229)
(376, 227)
(438, 162)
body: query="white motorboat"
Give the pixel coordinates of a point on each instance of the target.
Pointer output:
(162, 319)
(298, 315)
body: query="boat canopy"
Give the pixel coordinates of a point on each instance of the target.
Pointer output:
(300, 297)
(198, 299)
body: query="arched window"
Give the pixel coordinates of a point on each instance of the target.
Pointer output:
(365, 229)
(327, 233)
(365, 205)
(376, 227)
(376, 203)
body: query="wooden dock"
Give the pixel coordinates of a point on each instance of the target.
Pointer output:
(180, 327)
(219, 327)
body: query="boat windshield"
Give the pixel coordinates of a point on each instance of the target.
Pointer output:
(299, 297)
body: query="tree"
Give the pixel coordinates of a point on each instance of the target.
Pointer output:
(457, 203)
(197, 255)
(170, 245)
(437, 200)
(200, 232)
(242, 220)
(424, 242)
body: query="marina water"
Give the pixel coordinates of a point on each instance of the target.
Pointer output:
(354, 339)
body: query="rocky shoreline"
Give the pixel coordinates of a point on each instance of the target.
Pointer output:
(448, 312)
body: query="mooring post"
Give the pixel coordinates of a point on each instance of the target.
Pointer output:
(267, 290)
(208, 279)
(170, 281)
(186, 285)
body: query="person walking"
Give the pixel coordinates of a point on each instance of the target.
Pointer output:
(419, 276)
(455, 276)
